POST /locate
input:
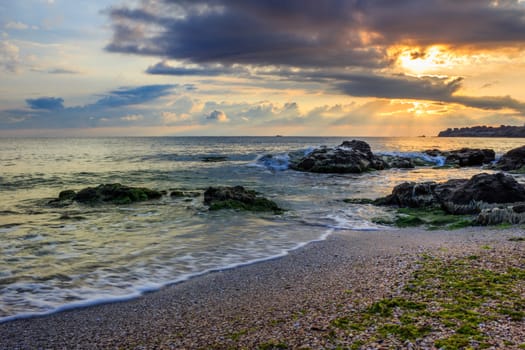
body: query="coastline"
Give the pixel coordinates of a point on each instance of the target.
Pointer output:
(289, 300)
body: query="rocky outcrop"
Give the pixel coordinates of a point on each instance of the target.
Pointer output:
(485, 131)
(458, 196)
(465, 156)
(513, 160)
(238, 198)
(349, 157)
(106, 193)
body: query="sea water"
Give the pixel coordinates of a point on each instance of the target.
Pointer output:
(57, 258)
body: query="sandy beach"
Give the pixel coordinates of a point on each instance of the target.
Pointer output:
(290, 302)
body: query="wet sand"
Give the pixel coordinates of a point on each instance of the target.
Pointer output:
(289, 300)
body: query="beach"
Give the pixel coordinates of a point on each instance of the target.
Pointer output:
(288, 302)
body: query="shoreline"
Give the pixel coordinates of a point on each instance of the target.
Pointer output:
(289, 299)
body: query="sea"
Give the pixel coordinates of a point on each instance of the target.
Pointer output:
(53, 259)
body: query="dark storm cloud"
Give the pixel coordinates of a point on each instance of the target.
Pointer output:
(296, 33)
(422, 88)
(46, 103)
(428, 88)
(465, 23)
(309, 33)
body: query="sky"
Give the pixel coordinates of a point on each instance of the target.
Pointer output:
(262, 68)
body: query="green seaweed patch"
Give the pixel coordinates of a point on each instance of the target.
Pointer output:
(517, 239)
(272, 346)
(433, 218)
(404, 332)
(456, 296)
(385, 307)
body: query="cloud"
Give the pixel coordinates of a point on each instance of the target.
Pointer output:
(62, 71)
(401, 86)
(162, 68)
(307, 33)
(46, 103)
(218, 116)
(122, 106)
(431, 88)
(126, 96)
(132, 118)
(296, 33)
(9, 57)
(16, 25)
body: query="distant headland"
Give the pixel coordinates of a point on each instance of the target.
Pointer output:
(485, 131)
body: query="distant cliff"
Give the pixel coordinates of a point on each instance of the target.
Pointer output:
(485, 131)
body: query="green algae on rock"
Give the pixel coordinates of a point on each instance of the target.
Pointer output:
(107, 193)
(238, 198)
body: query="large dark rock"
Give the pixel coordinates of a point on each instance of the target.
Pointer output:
(457, 196)
(411, 195)
(350, 157)
(465, 156)
(106, 193)
(512, 160)
(237, 198)
(489, 188)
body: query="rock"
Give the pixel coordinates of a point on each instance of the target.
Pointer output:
(512, 160)
(464, 156)
(398, 162)
(237, 198)
(64, 199)
(116, 194)
(489, 188)
(214, 159)
(458, 196)
(350, 157)
(411, 195)
(471, 157)
(358, 145)
(496, 216)
(66, 195)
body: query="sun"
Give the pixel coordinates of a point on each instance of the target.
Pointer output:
(431, 60)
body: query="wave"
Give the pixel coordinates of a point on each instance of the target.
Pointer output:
(281, 162)
(149, 287)
(437, 160)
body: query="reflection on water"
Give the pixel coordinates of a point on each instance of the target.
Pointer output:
(50, 257)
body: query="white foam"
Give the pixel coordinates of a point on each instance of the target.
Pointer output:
(438, 160)
(149, 287)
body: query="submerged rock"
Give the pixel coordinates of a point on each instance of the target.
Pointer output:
(237, 198)
(115, 193)
(214, 159)
(512, 160)
(107, 193)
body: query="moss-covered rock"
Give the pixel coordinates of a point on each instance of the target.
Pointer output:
(238, 198)
(107, 193)
(116, 194)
